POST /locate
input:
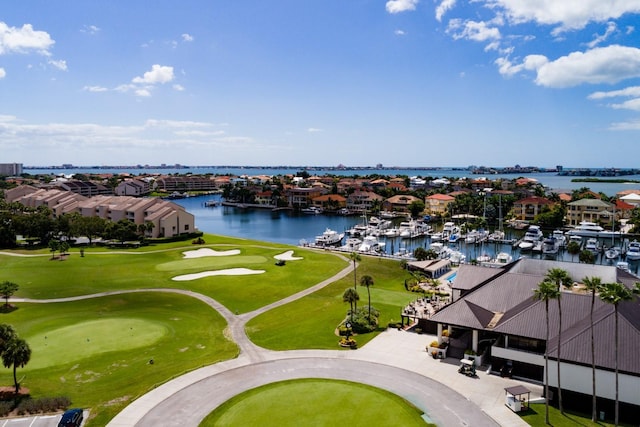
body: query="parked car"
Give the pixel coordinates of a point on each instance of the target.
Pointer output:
(71, 418)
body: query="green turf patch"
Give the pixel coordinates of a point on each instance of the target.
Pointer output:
(87, 339)
(316, 402)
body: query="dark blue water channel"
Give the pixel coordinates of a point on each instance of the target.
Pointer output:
(296, 229)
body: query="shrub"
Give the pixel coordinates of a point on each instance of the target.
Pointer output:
(43, 405)
(470, 352)
(5, 408)
(445, 333)
(434, 343)
(418, 330)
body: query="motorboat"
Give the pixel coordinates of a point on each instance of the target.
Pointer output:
(449, 228)
(550, 246)
(311, 210)
(576, 239)
(503, 258)
(591, 229)
(454, 237)
(392, 232)
(436, 237)
(351, 244)
(437, 247)
(329, 238)
(612, 253)
(623, 265)
(633, 251)
(592, 245)
(531, 238)
(456, 257)
(496, 236)
(560, 237)
(412, 229)
(484, 257)
(471, 237)
(370, 244)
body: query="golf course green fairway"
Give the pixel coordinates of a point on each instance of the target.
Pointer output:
(90, 338)
(316, 402)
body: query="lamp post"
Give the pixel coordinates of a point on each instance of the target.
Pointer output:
(348, 326)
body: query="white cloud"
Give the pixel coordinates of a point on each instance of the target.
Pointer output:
(3, 73)
(158, 74)
(314, 130)
(629, 91)
(95, 89)
(90, 29)
(566, 14)
(611, 28)
(399, 33)
(630, 125)
(397, 6)
(178, 87)
(443, 7)
(632, 104)
(143, 92)
(23, 40)
(187, 37)
(609, 64)
(59, 64)
(472, 30)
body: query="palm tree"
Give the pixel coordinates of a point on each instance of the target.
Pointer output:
(615, 293)
(7, 334)
(355, 257)
(351, 296)
(546, 291)
(367, 281)
(561, 278)
(593, 284)
(16, 354)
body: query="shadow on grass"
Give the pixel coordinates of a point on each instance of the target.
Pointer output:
(7, 308)
(534, 416)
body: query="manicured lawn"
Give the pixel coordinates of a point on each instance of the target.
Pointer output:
(535, 417)
(310, 322)
(97, 351)
(149, 267)
(315, 402)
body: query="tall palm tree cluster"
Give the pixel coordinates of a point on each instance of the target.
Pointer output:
(612, 293)
(14, 351)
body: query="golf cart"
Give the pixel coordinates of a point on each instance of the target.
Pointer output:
(467, 367)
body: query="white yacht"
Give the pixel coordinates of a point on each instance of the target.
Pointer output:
(329, 237)
(531, 238)
(560, 237)
(613, 252)
(592, 245)
(370, 244)
(633, 251)
(550, 246)
(591, 229)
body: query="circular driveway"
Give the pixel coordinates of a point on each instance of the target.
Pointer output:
(188, 406)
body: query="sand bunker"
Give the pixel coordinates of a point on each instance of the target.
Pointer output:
(203, 252)
(287, 256)
(227, 272)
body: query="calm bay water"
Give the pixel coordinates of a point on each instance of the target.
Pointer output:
(295, 229)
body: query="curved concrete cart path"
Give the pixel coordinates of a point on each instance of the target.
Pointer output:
(395, 361)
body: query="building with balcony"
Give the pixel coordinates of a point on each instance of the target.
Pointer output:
(591, 210)
(526, 209)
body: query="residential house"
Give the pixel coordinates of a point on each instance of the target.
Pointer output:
(169, 219)
(84, 188)
(438, 204)
(330, 202)
(526, 209)
(301, 197)
(363, 201)
(133, 187)
(399, 203)
(591, 210)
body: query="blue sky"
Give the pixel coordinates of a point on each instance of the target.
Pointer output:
(300, 82)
